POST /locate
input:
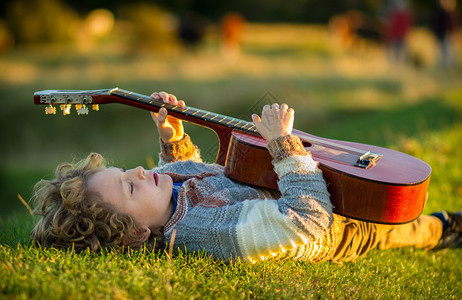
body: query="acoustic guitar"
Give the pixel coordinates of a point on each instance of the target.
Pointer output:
(365, 182)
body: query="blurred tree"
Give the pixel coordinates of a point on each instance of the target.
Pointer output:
(151, 26)
(6, 39)
(253, 10)
(41, 21)
(192, 29)
(31, 20)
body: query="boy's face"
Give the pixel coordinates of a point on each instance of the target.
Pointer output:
(142, 194)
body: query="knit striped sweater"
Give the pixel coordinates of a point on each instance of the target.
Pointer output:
(229, 220)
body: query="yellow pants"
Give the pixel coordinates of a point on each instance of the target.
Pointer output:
(360, 237)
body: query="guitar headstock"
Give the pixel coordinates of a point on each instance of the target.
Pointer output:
(65, 99)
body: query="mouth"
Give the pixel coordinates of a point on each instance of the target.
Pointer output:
(156, 178)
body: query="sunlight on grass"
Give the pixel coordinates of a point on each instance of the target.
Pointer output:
(142, 274)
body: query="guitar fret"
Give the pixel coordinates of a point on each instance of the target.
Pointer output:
(247, 124)
(205, 114)
(229, 121)
(213, 117)
(196, 112)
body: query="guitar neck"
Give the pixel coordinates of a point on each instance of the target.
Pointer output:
(187, 113)
(222, 125)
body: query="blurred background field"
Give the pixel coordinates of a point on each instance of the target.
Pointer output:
(343, 84)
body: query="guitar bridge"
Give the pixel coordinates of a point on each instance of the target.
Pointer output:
(368, 159)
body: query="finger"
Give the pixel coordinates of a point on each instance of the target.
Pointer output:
(155, 95)
(256, 119)
(284, 107)
(275, 106)
(181, 103)
(164, 97)
(161, 116)
(172, 99)
(265, 107)
(154, 117)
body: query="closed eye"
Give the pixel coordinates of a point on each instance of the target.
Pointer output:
(130, 184)
(132, 187)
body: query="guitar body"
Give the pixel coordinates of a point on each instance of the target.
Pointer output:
(391, 192)
(365, 182)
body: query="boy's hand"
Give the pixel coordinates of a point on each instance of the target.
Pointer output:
(170, 129)
(275, 121)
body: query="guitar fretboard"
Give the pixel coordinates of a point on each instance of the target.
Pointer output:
(191, 112)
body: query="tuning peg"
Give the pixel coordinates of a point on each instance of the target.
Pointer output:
(82, 109)
(50, 110)
(66, 108)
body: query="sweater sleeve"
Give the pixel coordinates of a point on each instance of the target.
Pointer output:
(256, 228)
(181, 150)
(302, 214)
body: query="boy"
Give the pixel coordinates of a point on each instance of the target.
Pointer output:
(90, 205)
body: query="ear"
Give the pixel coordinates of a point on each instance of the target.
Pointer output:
(139, 237)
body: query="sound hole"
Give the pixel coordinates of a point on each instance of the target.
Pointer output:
(312, 147)
(306, 144)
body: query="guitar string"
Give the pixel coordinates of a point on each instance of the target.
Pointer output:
(198, 113)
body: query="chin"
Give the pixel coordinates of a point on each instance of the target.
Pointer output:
(167, 178)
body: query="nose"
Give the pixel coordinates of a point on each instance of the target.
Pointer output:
(139, 171)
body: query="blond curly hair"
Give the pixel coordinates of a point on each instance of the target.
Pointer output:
(74, 216)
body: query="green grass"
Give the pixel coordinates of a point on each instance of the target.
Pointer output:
(350, 95)
(29, 272)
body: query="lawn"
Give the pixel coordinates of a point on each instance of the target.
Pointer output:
(347, 94)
